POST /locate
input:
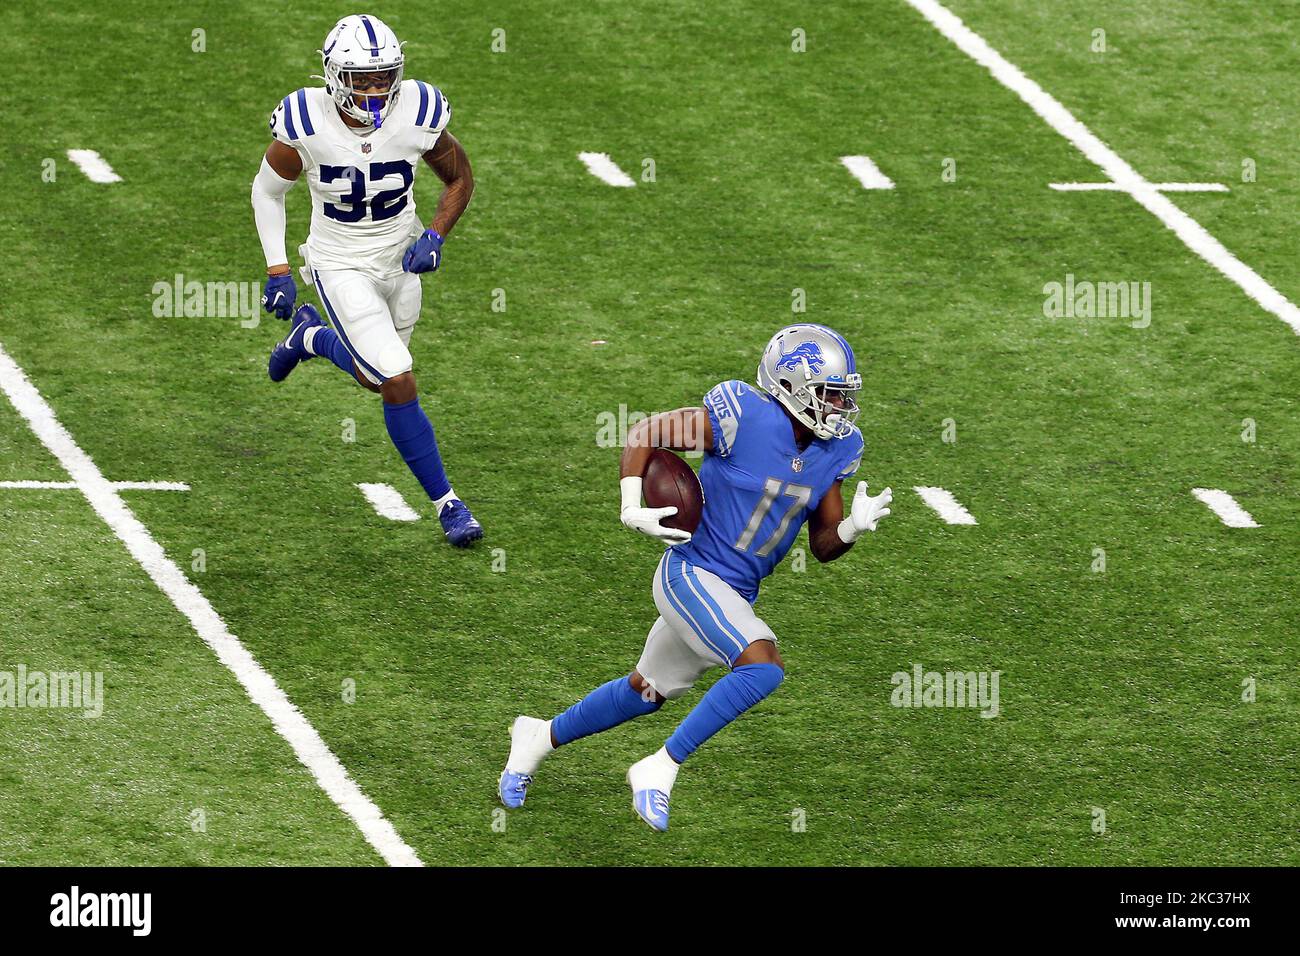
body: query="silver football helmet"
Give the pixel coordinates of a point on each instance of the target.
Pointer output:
(362, 53)
(810, 369)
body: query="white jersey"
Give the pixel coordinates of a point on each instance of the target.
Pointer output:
(362, 205)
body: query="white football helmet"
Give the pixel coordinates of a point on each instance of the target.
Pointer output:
(361, 53)
(805, 367)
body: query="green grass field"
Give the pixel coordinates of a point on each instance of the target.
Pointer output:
(1120, 690)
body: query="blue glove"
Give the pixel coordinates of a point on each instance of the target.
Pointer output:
(425, 254)
(279, 295)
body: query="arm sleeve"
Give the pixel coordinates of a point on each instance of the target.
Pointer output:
(268, 212)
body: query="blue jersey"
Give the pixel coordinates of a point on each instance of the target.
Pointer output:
(759, 487)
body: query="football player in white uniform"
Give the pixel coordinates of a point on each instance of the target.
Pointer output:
(359, 140)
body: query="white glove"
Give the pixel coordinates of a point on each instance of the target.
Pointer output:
(865, 513)
(646, 520)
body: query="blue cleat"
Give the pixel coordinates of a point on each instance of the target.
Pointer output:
(652, 807)
(651, 781)
(459, 525)
(287, 354)
(513, 788)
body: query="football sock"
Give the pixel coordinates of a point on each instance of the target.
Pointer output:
(656, 772)
(607, 706)
(412, 434)
(326, 342)
(726, 700)
(530, 742)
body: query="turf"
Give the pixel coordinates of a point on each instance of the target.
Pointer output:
(1120, 690)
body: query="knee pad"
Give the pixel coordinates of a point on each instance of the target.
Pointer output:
(393, 359)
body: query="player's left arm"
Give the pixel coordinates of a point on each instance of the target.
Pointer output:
(448, 160)
(823, 538)
(831, 534)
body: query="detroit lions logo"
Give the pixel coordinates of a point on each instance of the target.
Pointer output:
(805, 350)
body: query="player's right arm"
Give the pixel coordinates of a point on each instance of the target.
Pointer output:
(683, 429)
(281, 167)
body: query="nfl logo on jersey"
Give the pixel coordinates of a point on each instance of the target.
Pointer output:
(365, 147)
(797, 465)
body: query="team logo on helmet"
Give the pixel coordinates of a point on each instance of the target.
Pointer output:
(805, 350)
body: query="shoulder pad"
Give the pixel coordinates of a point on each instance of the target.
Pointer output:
(725, 404)
(292, 119)
(433, 112)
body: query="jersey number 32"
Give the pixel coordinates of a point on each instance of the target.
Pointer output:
(351, 206)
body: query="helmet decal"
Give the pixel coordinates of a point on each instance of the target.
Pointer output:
(805, 351)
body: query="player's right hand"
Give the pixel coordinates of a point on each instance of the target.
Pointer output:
(279, 295)
(646, 520)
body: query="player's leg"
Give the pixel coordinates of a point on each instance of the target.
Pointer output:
(755, 674)
(719, 618)
(358, 307)
(615, 702)
(407, 420)
(324, 341)
(311, 337)
(349, 297)
(670, 664)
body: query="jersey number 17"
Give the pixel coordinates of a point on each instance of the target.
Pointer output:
(772, 488)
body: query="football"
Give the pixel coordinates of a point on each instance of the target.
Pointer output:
(670, 482)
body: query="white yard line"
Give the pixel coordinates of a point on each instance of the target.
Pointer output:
(1226, 507)
(1117, 170)
(388, 502)
(945, 505)
(116, 485)
(1162, 187)
(94, 166)
(189, 600)
(866, 172)
(605, 169)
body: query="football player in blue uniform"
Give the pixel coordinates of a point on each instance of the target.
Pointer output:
(775, 458)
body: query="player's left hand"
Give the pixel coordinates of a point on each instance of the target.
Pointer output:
(865, 513)
(279, 295)
(425, 254)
